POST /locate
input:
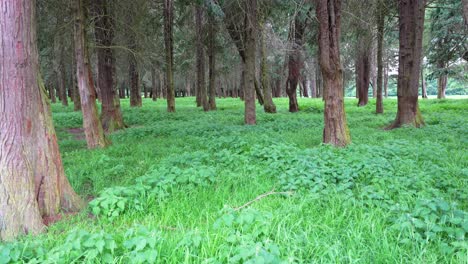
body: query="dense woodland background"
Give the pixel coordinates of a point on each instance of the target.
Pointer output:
(137, 42)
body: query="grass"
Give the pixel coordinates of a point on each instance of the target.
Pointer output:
(397, 196)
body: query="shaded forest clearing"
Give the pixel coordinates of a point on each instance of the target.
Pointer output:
(168, 187)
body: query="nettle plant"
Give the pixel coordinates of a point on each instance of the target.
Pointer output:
(138, 245)
(432, 220)
(247, 237)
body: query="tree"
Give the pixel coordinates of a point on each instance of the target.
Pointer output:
(241, 23)
(212, 30)
(448, 41)
(111, 115)
(31, 171)
(201, 84)
(336, 130)
(411, 24)
(92, 125)
(380, 62)
(169, 50)
(296, 58)
(269, 106)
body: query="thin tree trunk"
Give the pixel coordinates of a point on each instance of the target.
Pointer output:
(59, 68)
(411, 24)
(201, 83)
(154, 83)
(363, 72)
(336, 130)
(249, 61)
(380, 39)
(386, 81)
(52, 97)
(169, 50)
(92, 125)
(268, 106)
(423, 84)
(33, 183)
(295, 61)
(111, 115)
(212, 31)
(441, 81)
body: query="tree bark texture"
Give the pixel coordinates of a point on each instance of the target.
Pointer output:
(201, 83)
(363, 71)
(241, 24)
(212, 30)
(111, 115)
(411, 24)
(33, 183)
(94, 132)
(423, 84)
(155, 84)
(169, 51)
(441, 81)
(336, 130)
(295, 60)
(59, 68)
(268, 106)
(380, 38)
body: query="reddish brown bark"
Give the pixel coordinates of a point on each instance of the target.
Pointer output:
(111, 115)
(169, 51)
(92, 125)
(411, 22)
(336, 130)
(363, 73)
(33, 183)
(295, 60)
(242, 27)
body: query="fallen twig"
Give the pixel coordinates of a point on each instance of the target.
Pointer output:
(272, 192)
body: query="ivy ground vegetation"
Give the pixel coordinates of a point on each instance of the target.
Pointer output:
(195, 187)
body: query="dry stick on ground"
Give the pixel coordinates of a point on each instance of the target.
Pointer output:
(272, 192)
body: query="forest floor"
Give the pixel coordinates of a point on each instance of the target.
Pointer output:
(195, 187)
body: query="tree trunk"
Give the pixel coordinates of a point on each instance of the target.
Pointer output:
(52, 97)
(441, 81)
(154, 84)
(363, 73)
(169, 50)
(249, 61)
(411, 24)
(135, 87)
(386, 81)
(268, 106)
(111, 115)
(212, 61)
(59, 68)
(295, 61)
(201, 84)
(336, 130)
(380, 39)
(92, 125)
(33, 183)
(423, 84)
(305, 87)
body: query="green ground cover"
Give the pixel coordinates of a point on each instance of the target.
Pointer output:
(169, 188)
